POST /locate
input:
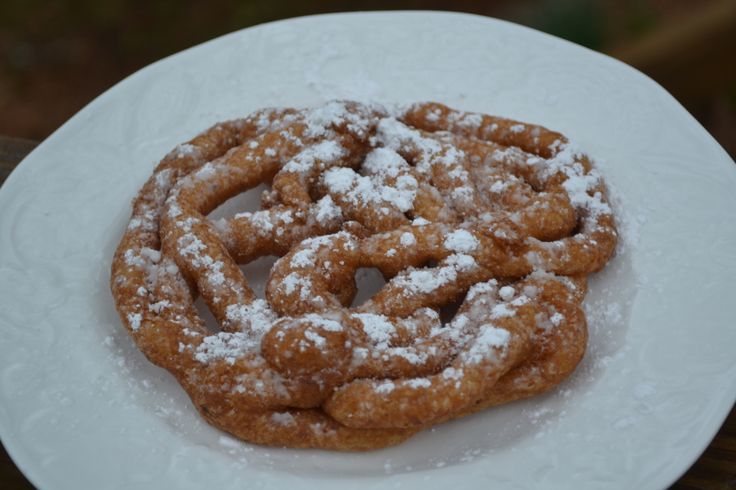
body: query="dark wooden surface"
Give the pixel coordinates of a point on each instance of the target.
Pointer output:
(714, 470)
(12, 151)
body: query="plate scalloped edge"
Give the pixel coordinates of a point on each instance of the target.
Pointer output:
(646, 143)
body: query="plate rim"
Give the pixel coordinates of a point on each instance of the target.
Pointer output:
(14, 446)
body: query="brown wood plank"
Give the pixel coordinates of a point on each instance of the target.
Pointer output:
(12, 151)
(704, 43)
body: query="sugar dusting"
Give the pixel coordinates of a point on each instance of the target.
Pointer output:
(602, 314)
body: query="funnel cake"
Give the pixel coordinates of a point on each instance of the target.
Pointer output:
(499, 219)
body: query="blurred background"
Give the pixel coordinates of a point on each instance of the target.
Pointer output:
(56, 56)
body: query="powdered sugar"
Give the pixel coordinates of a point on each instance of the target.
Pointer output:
(506, 293)
(324, 151)
(303, 258)
(134, 320)
(282, 418)
(461, 241)
(489, 340)
(578, 184)
(385, 387)
(461, 262)
(334, 113)
(517, 128)
(224, 346)
(378, 328)
(322, 322)
(556, 319)
(185, 150)
(315, 338)
(159, 306)
(417, 383)
(384, 162)
(327, 211)
(452, 373)
(395, 135)
(255, 318)
(298, 282)
(407, 239)
(488, 287)
(361, 190)
(384, 179)
(425, 281)
(428, 280)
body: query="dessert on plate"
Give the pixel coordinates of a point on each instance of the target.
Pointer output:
(484, 228)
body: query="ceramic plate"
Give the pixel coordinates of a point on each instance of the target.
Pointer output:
(81, 408)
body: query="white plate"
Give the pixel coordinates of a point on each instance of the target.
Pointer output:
(81, 408)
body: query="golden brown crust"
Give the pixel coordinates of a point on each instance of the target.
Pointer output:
(504, 217)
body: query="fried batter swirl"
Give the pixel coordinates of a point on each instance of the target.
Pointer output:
(502, 219)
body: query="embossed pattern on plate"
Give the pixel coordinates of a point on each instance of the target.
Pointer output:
(81, 408)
